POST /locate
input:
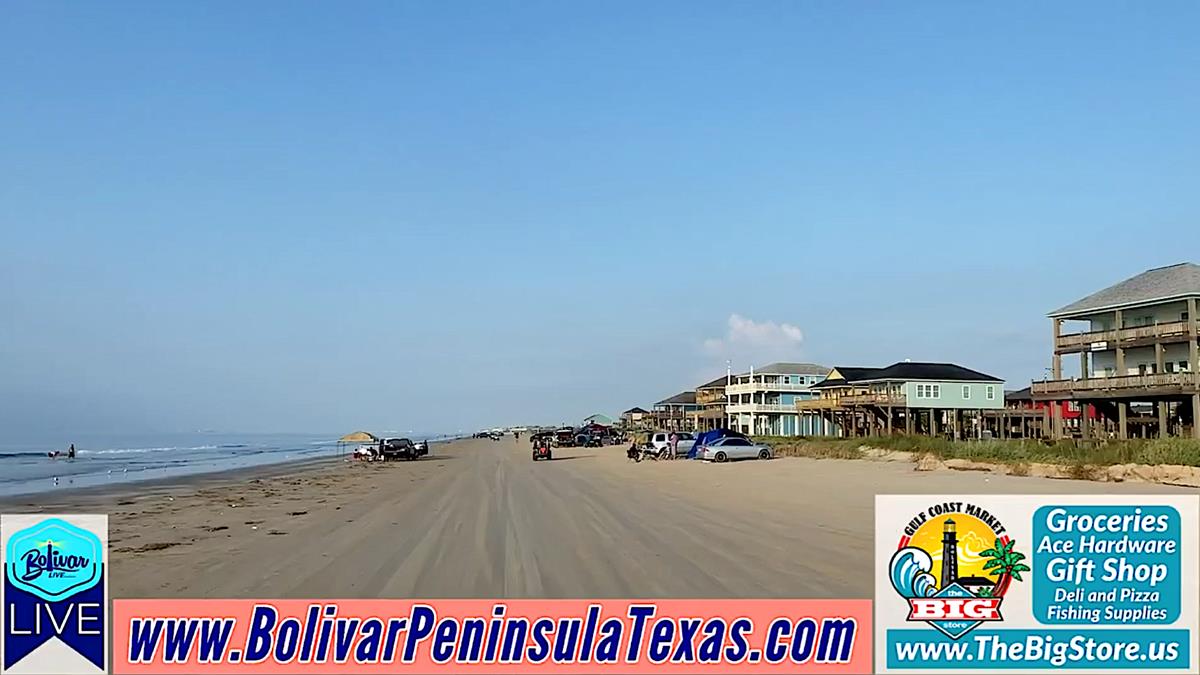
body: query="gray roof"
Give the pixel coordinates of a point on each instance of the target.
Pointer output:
(1019, 395)
(718, 383)
(682, 397)
(907, 371)
(1156, 285)
(791, 369)
(919, 370)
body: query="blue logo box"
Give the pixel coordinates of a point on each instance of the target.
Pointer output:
(54, 594)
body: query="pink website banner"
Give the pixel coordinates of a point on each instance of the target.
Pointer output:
(491, 636)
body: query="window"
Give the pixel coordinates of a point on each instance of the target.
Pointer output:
(1183, 366)
(929, 391)
(991, 392)
(966, 392)
(735, 441)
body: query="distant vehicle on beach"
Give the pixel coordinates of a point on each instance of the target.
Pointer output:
(565, 437)
(399, 448)
(422, 448)
(661, 440)
(595, 436)
(733, 447)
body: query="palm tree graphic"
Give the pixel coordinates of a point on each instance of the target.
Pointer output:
(1004, 562)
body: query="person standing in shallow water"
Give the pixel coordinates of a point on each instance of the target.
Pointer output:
(71, 452)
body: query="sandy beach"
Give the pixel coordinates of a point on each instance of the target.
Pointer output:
(478, 518)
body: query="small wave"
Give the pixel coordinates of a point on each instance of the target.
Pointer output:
(138, 451)
(233, 445)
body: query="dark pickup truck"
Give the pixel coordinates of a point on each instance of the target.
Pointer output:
(402, 448)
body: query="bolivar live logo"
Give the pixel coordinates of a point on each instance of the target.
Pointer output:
(55, 594)
(944, 566)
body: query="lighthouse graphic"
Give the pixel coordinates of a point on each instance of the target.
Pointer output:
(949, 553)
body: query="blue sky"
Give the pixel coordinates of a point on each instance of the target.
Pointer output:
(324, 216)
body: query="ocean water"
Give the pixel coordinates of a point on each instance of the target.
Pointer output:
(26, 468)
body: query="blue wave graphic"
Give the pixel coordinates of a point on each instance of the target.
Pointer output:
(909, 572)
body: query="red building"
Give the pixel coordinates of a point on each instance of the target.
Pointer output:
(1069, 411)
(1023, 400)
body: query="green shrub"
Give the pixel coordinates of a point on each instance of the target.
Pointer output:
(1086, 455)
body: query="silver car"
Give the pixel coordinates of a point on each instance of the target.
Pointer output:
(728, 448)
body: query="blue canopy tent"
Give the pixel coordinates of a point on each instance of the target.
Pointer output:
(710, 436)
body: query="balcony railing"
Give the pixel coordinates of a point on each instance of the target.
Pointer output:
(874, 398)
(1105, 339)
(751, 387)
(818, 404)
(1116, 384)
(760, 408)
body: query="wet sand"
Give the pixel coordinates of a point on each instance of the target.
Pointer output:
(478, 518)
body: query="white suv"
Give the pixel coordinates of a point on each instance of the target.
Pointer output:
(661, 440)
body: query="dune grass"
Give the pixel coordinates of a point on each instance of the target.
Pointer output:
(1071, 453)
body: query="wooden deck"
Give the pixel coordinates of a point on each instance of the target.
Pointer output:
(880, 399)
(818, 404)
(1137, 336)
(847, 401)
(1124, 386)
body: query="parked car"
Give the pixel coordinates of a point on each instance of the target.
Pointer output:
(399, 448)
(564, 438)
(732, 447)
(661, 440)
(422, 448)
